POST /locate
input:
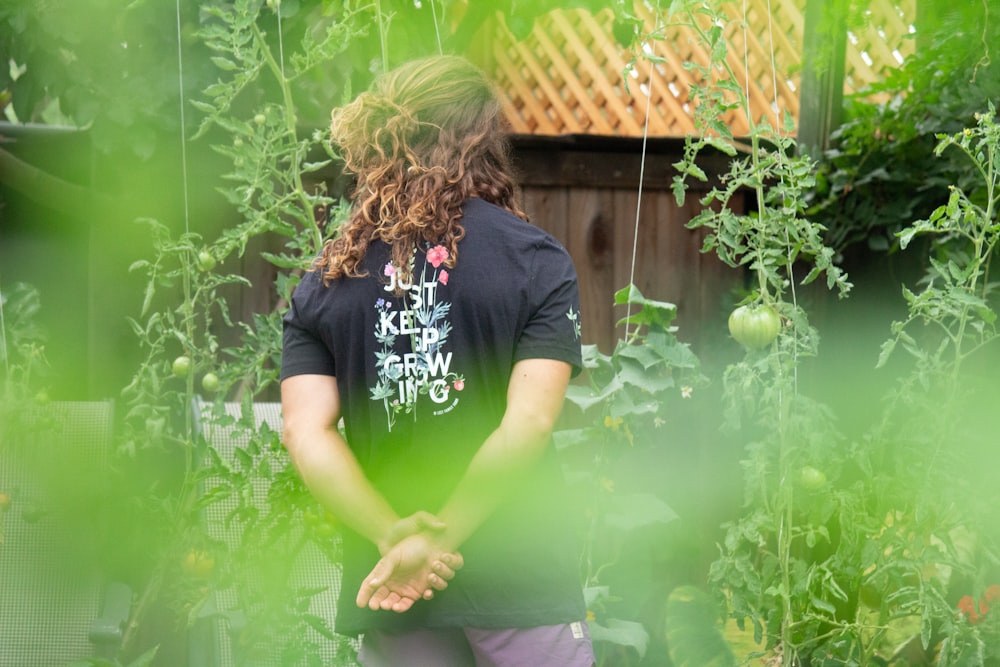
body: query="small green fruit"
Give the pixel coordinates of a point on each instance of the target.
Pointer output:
(210, 382)
(811, 479)
(260, 119)
(181, 366)
(206, 261)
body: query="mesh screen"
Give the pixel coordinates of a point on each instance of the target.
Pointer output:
(314, 577)
(50, 587)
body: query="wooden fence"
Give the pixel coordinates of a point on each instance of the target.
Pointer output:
(587, 195)
(569, 75)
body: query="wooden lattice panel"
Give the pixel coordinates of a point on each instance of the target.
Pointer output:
(569, 75)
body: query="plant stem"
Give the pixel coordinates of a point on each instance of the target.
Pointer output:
(290, 127)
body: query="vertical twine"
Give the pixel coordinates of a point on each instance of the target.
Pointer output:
(183, 137)
(638, 203)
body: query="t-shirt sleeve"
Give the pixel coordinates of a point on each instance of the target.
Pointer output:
(552, 330)
(302, 351)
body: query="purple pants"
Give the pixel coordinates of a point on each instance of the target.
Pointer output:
(566, 645)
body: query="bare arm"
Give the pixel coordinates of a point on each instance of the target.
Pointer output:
(310, 406)
(535, 396)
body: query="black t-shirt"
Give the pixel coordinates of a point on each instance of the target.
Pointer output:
(422, 378)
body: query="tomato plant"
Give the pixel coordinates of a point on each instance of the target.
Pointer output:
(787, 594)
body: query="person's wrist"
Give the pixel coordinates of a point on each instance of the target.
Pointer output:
(387, 537)
(446, 541)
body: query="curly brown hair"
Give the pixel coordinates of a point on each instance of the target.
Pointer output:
(422, 140)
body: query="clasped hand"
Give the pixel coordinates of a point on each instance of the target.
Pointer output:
(412, 567)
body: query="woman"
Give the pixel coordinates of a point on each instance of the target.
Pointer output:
(444, 329)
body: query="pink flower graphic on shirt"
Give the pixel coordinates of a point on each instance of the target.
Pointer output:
(443, 277)
(389, 270)
(437, 255)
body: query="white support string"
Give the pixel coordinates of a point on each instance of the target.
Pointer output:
(183, 134)
(281, 41)
(437, 28)
(381, 36)
(788, 241)
(774, 70)
(3, 337)
(746, 69)
(638, 203)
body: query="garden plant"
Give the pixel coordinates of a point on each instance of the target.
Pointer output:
(861, 539)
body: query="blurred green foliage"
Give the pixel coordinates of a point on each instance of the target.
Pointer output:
(876, 178)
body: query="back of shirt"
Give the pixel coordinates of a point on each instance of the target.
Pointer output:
(422, 367)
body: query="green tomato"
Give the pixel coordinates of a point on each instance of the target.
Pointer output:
(206, 261)
(210, 382)
(181, 366)
(812, 479)
(260, 119)
(754, 326)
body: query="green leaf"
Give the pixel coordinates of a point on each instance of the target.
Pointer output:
(145, 659)
(620, 632)
(720, 145)
(887, 348)
(643, 354)
(592, 594)
(679, 189)
(224, 63)
(906, 236)
(585, 398)
(653, 313)
(567, 438)
(244, 458)
(147, 299)
(308, 167)
(824, 606)
(284, 261)
(635, 510)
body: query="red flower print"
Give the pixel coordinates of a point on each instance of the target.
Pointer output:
(437, 255)
(968, 608)
(459, 385)
(443, 277)
(992, 593)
